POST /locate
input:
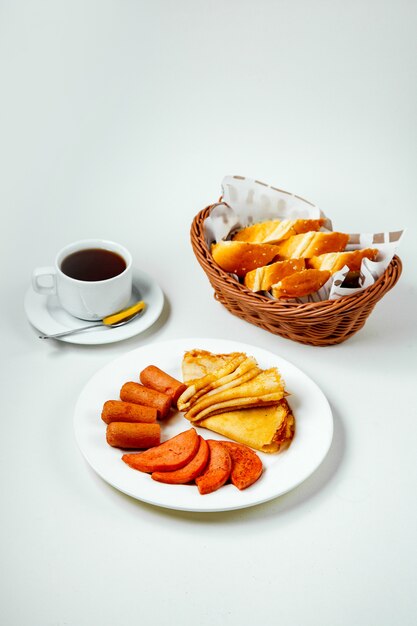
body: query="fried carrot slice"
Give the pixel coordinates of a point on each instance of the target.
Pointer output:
(218, 469)
(168, 456)
(190, 471)
(246, 465)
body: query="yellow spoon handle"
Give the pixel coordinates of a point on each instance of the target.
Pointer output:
(122, 315)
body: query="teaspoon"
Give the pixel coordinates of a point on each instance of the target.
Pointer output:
(111, 321)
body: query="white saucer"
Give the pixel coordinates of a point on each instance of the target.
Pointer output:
(46, 314)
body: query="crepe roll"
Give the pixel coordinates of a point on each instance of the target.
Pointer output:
(267, 429)
(265, 389)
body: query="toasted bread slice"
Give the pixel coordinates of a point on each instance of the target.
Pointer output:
(240, 257)
(312, 244)
(274, 231)
(300, 284)
(334, 261)
(263, 278)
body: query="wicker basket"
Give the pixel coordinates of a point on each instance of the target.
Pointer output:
(317, 324)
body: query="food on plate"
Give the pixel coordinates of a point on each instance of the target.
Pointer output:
(197, 363)
(128, 435)
(210, 463)
(335, 261)
(119, 411)
(246, 465)
(300, 284)
(189, 472)
(266, 428)
(168, 456)
(265, 389)
(263, 278)
(237, 370)
(139, 394)
(274, 231)
(240, 257)
(312, 244)
(158, 380)
(269, 429)
(218, 469)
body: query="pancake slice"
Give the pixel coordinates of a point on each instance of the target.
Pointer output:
(267, 429)
(247, 370)
(254, 413)
(265, 388)
(211, 377)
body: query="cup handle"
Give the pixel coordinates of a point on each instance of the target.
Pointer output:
(43, 289)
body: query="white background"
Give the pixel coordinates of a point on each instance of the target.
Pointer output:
(119, 120)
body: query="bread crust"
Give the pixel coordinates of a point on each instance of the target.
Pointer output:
(300, 284)
(312, 244)
(263, 278)
(274, 231)
(240, 257)
(335, 261)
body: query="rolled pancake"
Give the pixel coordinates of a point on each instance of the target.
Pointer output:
(219, 380)
(268, 429)
(197, 363)
(196, 385)
(265, 388)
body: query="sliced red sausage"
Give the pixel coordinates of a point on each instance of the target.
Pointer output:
(168, 456)
(190, 471)
(218, 469)
(246, 465)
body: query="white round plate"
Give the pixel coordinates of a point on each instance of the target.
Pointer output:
(282, 472)
(46, 314)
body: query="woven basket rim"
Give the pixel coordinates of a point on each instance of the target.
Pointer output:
(229, 284)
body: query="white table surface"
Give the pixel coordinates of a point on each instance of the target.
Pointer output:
(119, 120)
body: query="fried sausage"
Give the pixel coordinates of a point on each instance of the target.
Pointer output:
(127, 435)
(218, 469)
(139, 394)
(156, 379)
(190, 471)
(168, 456)
(119, 411)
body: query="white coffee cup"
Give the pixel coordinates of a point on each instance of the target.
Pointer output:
(87, 299)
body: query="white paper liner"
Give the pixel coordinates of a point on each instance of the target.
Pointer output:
(246, 201)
